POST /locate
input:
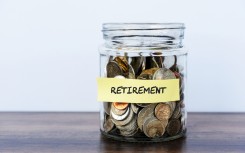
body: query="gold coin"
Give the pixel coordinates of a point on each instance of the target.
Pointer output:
(123, 64)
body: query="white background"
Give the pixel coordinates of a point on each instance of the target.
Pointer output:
(49, 59)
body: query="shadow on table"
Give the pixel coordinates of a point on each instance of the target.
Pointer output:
(107, 145)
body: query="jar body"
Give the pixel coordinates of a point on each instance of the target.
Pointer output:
(153, 121)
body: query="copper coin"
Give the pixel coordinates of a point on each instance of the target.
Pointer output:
(173, 127)
(153, 127)
(163, 111)
(116, 111)
(120, 105)
(113, 69)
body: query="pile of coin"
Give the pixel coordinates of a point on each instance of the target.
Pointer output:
(152, 120)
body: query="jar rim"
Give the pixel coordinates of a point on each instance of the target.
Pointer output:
(141, 26)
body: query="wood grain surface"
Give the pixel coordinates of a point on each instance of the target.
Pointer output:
(79, 133)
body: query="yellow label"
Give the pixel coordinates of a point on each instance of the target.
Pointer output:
(137, 91)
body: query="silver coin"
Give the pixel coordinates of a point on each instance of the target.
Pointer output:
(163, 74)
(144, 114)
(131, 126)
(119, 77)
(120, 117)
(125, 120)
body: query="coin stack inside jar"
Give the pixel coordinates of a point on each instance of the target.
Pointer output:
(145, 120)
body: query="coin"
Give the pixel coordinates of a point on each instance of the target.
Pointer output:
(126, 120)
(153, 127)
(174, 68)
(119, 117)
(176, 113)
(123, 64)
(120, 105)
(173, 127)
(107, 107)
(108, 124)
(145, 77)
(158, 58)
(136, 63)
(131, 74)
(163, 74)
(128, 133)
(147, 74)
(116, 111)
(135, 108)
(113, 69)
(150, 63)
(144, 114)
(129, 126)
(119, 77)
(163, 111)
(143, 104)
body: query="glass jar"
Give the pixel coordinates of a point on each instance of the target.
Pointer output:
(142, 84)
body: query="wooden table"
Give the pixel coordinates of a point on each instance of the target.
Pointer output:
(79, 132)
